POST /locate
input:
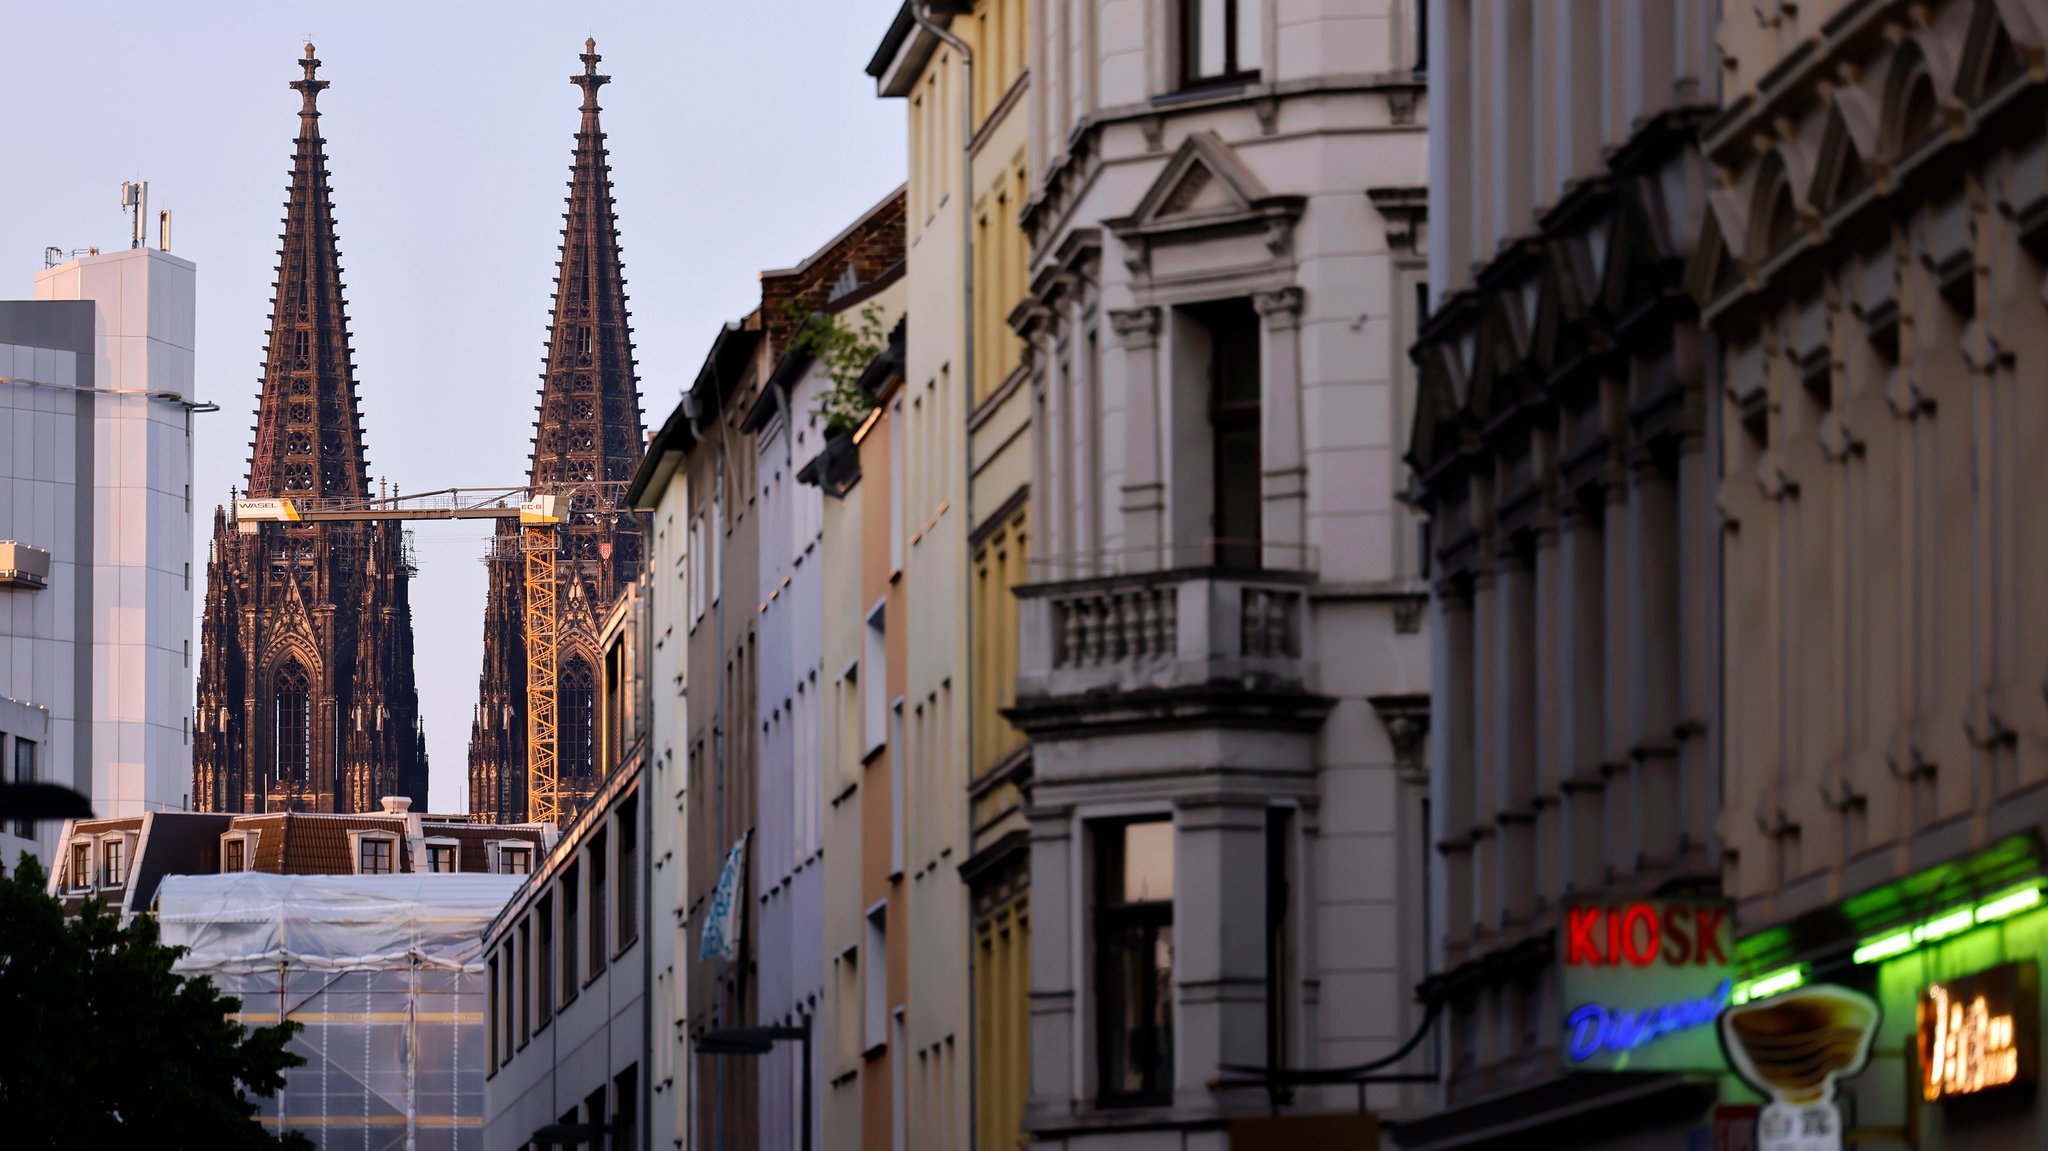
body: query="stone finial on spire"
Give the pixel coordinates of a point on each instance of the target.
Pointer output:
(588, 79)
(309, 87)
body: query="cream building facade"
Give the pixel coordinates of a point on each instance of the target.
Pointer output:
(1222, 660)
(1873, 264)
(1565, 451)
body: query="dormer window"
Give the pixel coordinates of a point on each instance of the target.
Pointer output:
(376, 852)
(444, 856)
(515, 859)
(81, 865)
(234, 854)
(113, 861)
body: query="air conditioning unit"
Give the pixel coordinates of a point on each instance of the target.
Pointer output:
(23, 566)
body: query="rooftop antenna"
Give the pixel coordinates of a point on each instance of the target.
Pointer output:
(135, 201)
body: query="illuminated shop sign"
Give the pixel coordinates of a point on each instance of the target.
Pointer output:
(1977, 1033)
(1795, 1047)
(1642, 982)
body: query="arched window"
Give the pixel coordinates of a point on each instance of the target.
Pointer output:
(577, 753)
(291, 697)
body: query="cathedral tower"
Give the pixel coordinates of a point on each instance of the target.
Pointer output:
(306, 695)
(588, 441)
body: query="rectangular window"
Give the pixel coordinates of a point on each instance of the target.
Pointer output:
(515, 859)
(491, 1010)
(373, 855)
(1279, 955)
(441, 858)
(525, 981)
(629, 877)
(875, 679)
(544, 980)
(234, 854)
(24, 772)
(1219, 41)
(899, 788)
(505, 1015)
(849, 988)
(81, 866)
(624, 1106)
(302, 343)
(113, 866)
(600, 940)
(898, 481)
(571, 932)
(1134, 863)
(1236, 501)
(875, 980)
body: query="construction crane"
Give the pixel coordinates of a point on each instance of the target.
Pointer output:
(541, 515)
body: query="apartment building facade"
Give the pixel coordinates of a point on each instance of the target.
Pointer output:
(962, 71)
(1871, 265)
(1564, 448)
(575, 1035)
(1222, 660)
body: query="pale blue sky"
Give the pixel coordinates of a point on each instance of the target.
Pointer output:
(742, 136)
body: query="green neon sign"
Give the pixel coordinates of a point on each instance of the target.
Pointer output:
(1952, 922)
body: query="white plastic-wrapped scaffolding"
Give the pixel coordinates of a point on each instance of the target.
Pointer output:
(385, 971)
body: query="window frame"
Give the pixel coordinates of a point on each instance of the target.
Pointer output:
(247, 841)
(1109, 921)
(115, 850)
(444, 843)
(357, 840)
(82, 877)
(499, 849)
(1188, 13)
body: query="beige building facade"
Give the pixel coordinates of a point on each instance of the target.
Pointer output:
(1872, 265)
(1565, 451)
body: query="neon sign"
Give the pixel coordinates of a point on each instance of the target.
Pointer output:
(1977, 1033)
(1596, 1027)
(1641, 980)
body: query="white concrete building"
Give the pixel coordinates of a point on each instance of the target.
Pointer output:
(96, 402)
(1223, 665)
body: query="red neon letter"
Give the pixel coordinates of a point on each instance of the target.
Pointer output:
(1709, 935)
(1613, 935)
(1639, 914)
(1677, 948)
(1580, 946)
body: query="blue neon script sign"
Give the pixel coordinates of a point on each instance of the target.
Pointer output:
(1596, 1027)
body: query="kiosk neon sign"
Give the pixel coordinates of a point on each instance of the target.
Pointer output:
(1596, 1027)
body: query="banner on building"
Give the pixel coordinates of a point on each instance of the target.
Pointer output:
(722, 919)
(1643, 981)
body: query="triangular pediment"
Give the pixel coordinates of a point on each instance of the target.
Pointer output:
(2004, 42)
(1434, 436)
(1716, 266)
(1205, 178)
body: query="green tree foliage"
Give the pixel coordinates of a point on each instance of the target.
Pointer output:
(104, 1046)
(846, 351)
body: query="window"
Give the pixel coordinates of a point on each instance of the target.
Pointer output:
(1219, 40)
(113, 864)
(525, 981)
(376, 854)
(570, 931)
(875, 981)
(599, 940)
(1134, 962)
(515, 859)
(302, 343)
(578, 705)
(583, 339)
(1236, 499)
(492, 1010)
(875, 678)
(899, 788)
(544, 982)
(898, 481)
(234, 853)
(624, 1107)
(629, 878)
(442, 858)
(848, 1007)
(1279, 956)
(505, 1007)
(292, 729)
(24, 772)
(81, 866)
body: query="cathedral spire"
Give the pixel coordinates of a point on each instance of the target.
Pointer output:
(308, 429)
(588, 441)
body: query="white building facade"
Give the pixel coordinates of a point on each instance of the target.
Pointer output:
(1223, 666)
(96, 410)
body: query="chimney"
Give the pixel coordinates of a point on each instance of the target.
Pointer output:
(397, 804)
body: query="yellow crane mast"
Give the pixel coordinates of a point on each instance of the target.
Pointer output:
(540, 515)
